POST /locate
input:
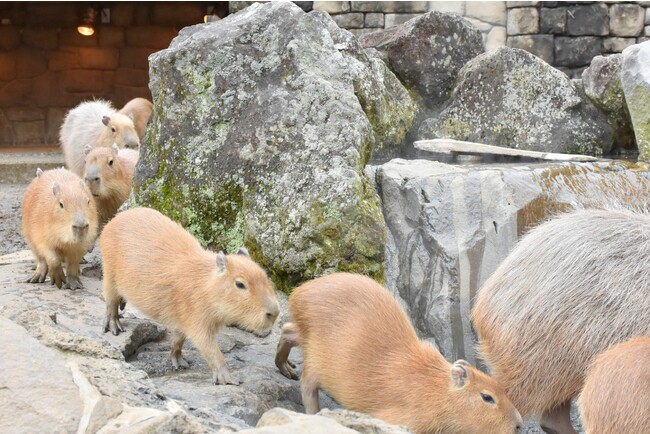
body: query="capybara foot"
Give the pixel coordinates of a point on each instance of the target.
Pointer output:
(114, 325)
(122, 304)
(223, 376)
(287, 369)
(179, 363)
(73, 282)
(38, 277)
(57, 277)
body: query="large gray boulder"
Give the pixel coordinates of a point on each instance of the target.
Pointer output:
(510, 98)
(635, 78)
(602, 84)
(450, 226)
(427, 52)
(262, 125)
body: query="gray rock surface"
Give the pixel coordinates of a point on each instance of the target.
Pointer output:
(427, 52)
(262, 124)
(450, 226)
(635, 79)
(510, 98)
(602, 84)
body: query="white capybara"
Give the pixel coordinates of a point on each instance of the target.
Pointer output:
(570, 289)
(616, 395)
(95, 123)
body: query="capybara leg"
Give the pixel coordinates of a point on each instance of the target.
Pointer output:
(309, 389)
(40, 273)
(122, 304)
(558, 420)
(208, 346)
(178, 362)
(72, 271)
(112, 299)
(288, 339)
(56, 274)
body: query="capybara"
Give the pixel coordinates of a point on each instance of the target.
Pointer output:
(59, 224)
(108, 173)
(359, 346)
(570, 289)
(94, 123)
(138, 109)
(616, 396)
(153, 263)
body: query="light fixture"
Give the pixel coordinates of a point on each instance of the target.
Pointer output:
(211, 15)
(87, 28)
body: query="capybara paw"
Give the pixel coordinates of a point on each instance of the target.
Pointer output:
(114, 325)
(57, 277)
(222, 376)
(122, 304)
(287, 369)
(179, 363)
(37, 277)
(73, 282)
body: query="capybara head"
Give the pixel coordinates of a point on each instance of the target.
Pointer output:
(73, 212)
(478, 404)
(252, 304)
(102, 170)
(119, 130)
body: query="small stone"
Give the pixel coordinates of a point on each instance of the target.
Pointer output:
(635, 79)
(523, 21)
(553, 21)
(626, 19)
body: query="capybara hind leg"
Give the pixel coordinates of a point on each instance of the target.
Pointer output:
(558, 420)
(208, 346)
(112, 299)
(72, 273)
(288, 339)
(178, 362)
(309, 390)
(40, 273)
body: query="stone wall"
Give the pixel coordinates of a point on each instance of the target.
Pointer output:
(47, 67)
(565, 34)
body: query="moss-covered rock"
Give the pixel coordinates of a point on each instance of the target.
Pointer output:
(635, 78)
(510, 98)
(262, 125)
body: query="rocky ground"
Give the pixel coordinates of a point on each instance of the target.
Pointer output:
(65, 373)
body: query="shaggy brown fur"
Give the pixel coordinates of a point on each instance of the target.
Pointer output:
(138, 109)
(155, 264)
(569, 290)
(616, 395)
(359, 345)
(59, 224)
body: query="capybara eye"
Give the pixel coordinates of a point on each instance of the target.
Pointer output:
(61, 204)
(110, 163)
(113, 129)
(487, 398)
(239, 284)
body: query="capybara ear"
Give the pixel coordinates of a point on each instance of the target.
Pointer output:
(39, 172)
(243, 251)
(87, 149)
(222, 262)
(130, 116)
(459, 373)
(115, 148)
(56, 189)
(106, 120)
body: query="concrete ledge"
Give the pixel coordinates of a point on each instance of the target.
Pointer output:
(20, 167)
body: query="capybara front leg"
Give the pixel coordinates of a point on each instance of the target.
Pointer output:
(178, 339)
(72, 271)
(288, 339)
(208, 346)
(558, 420)
(57, 277)
(309, 389)
(40, 273)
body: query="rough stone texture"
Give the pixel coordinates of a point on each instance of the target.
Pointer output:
(587, 20)
(511, 98)
(493, 12)
(32, 379)
(635, 79)
(602, 84)
(450, 226)
(349, 21)
(626, 19)
(523, 21)
(576, 51)
(392, 20)
(374, 20)
(553, 20)
(617, 45)
(424, 52)
(539, 45)
(262, 125)
(332, 7)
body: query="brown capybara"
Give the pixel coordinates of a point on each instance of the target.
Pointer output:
(59, 224)
(570, 289)
(138, 109)
(94, 123)
(359, 346)
(153, 263)
(616, 396)
(108, 174)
